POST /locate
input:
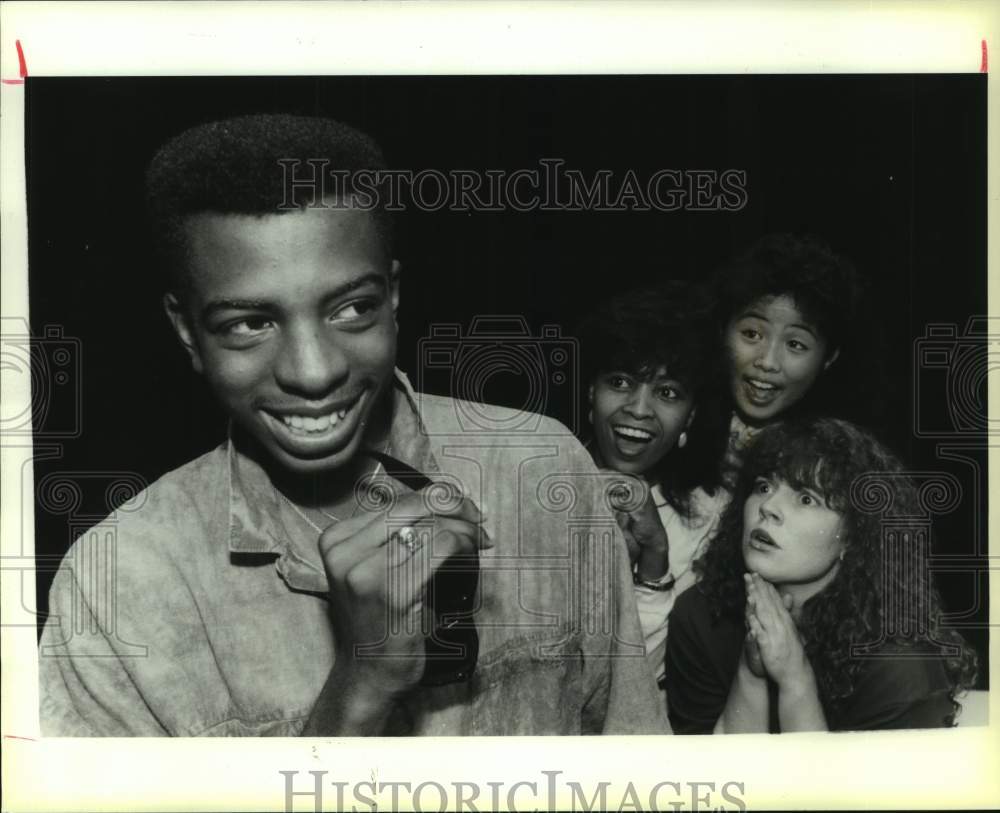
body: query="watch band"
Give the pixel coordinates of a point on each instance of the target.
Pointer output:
(658, 586)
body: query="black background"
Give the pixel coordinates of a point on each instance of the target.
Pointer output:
(890, 170)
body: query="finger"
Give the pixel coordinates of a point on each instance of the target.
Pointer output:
(758, 632)
(764, 606)
(446, 499)
(779, 605)
(623, 492)
(791, 626)
(401, 573)
(620, 496)
(418, 569)
(452, 536)
(348, 541)
(410, 506)
(441, 539)
(771, 590)
(631, 546)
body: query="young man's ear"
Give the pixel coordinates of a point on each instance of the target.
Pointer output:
(394, 271)
(833, 357)
(178, 318)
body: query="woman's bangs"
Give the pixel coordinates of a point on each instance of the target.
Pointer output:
(804, 463)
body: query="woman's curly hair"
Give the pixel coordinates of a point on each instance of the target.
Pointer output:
(851, 471)
(666, 325)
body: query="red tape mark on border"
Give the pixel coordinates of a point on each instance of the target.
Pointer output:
(21, 64)
(984, 65)
(15, 737)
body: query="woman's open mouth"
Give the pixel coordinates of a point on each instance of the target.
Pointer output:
(761, 540)
(759, 392)
(630, 440)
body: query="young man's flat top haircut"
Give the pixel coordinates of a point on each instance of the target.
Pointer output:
(234, 166)
(274, 591)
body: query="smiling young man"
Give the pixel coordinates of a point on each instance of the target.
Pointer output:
(277, 585)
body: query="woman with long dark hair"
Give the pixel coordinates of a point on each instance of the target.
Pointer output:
(811, 613)
(651, 368)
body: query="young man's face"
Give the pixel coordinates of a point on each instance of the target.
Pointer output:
(291, 319)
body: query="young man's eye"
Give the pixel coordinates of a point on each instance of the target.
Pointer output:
(247, 327)
(761, 486)
(358, 309)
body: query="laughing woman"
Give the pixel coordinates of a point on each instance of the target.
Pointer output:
(649, 359)
(794, 323)
(796, 576)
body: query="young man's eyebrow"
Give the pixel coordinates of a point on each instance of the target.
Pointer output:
(371, 278)
(216, 305)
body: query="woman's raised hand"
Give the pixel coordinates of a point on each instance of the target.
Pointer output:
(773, 630)
(641, 526)
(751, 651)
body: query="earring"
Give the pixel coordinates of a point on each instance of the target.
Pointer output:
(590, 417)
(841, 555)
(682, 440)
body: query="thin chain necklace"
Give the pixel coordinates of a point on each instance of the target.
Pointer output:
(301, 513)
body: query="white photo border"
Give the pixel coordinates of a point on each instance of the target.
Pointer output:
(921, 769)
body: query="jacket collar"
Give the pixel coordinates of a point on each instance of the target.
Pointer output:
(261, 521)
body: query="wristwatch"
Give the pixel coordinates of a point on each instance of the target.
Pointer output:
(661, 585)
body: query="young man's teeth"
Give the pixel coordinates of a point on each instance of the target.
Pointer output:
(305, 423)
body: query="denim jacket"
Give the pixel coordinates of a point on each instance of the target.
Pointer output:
(202, 609)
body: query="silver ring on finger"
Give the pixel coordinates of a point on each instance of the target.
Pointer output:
(407, 537)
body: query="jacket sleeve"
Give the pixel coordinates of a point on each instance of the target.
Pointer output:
(86, 689)
(635, 704)
(623, 698)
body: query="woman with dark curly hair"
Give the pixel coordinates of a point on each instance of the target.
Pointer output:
(797, 337)
(650, 364)
(797, 576)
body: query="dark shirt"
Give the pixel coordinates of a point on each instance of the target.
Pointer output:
(902, 690)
